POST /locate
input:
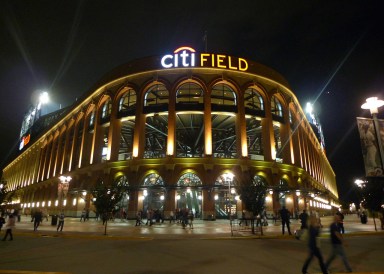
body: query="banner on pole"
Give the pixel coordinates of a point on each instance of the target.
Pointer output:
(370, 145)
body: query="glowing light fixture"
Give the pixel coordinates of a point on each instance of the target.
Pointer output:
(373, 104)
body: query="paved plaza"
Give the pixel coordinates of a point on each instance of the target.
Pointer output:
(201, 229)
(168, 248)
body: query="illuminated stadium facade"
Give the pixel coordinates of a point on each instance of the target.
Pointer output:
(184, 130)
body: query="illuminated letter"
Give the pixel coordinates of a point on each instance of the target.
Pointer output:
(164, 63)
(230, 63)
(220, 60)
(176, 60)
(192, 59)
(203, 58)
(243, 65)
(184, 56)
(213, 61)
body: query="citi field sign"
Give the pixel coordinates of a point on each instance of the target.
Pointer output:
(185, 57)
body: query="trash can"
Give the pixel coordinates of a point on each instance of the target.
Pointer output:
(54, 220)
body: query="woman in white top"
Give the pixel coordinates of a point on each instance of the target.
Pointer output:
(10, 224)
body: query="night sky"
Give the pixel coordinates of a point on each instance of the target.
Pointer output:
(331, 53)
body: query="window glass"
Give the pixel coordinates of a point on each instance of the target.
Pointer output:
(190, 93)
(156, 95)
(223, 95)
(253, 99)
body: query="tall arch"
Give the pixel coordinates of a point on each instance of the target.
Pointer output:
(152, 193)
(189, 194)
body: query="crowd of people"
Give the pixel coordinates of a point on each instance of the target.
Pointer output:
(182, 216)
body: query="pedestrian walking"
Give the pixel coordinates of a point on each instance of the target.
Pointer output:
(314, 250)
(37, 218)
(304, 219)
(171, 217)
(10, 224)
(337, 244)
(138, 218)
(61, 221)
(285, 219)
(191, 217)
(83, 213)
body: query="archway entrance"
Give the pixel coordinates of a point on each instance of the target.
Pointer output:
(152, 193)
(121, 209)
(189, 194)
(225, 196)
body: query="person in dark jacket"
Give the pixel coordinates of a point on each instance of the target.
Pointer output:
(38, 218)
(284, 215)
(337, 241)
(314, 250)
(304, 219)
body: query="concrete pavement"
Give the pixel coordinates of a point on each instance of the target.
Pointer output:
(126, 244)
(201, 229)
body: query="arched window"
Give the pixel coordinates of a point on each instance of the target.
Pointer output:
(225, 179)
(153, 179)
(253, 100)
(156, 95)
(189, 179)
(106, 110)
(283, 190)
(190, 93)
(223, 95)
(259, 180)
(91, 120)
(276, 107)
(122, 181)
(189, 195)
(127, 102)
(153, 193)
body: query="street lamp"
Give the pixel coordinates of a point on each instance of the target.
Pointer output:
(373, 105)
(62, 188)
(228, 177)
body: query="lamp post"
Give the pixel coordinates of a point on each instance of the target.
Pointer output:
(373, 105)
(228, 177)
(62, 188)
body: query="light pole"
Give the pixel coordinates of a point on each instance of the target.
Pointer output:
(373, 105)
(228, 177)
(62, 188)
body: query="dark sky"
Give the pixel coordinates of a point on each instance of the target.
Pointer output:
(331, 53)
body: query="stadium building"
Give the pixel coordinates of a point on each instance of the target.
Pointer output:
(183, 130)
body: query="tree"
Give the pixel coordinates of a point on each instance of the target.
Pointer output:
(253, 196)
(373, 195)
(106, 198)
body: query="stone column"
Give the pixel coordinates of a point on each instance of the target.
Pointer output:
(208, 205)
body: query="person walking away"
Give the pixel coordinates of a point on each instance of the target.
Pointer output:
(284, 215)
(61, 221)
(82, 217)
(9, 226)
(337, 244)
(190, 217)
(38, 218)
(304, 219)
(171, 217)
(314, 250)
(138, 218)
